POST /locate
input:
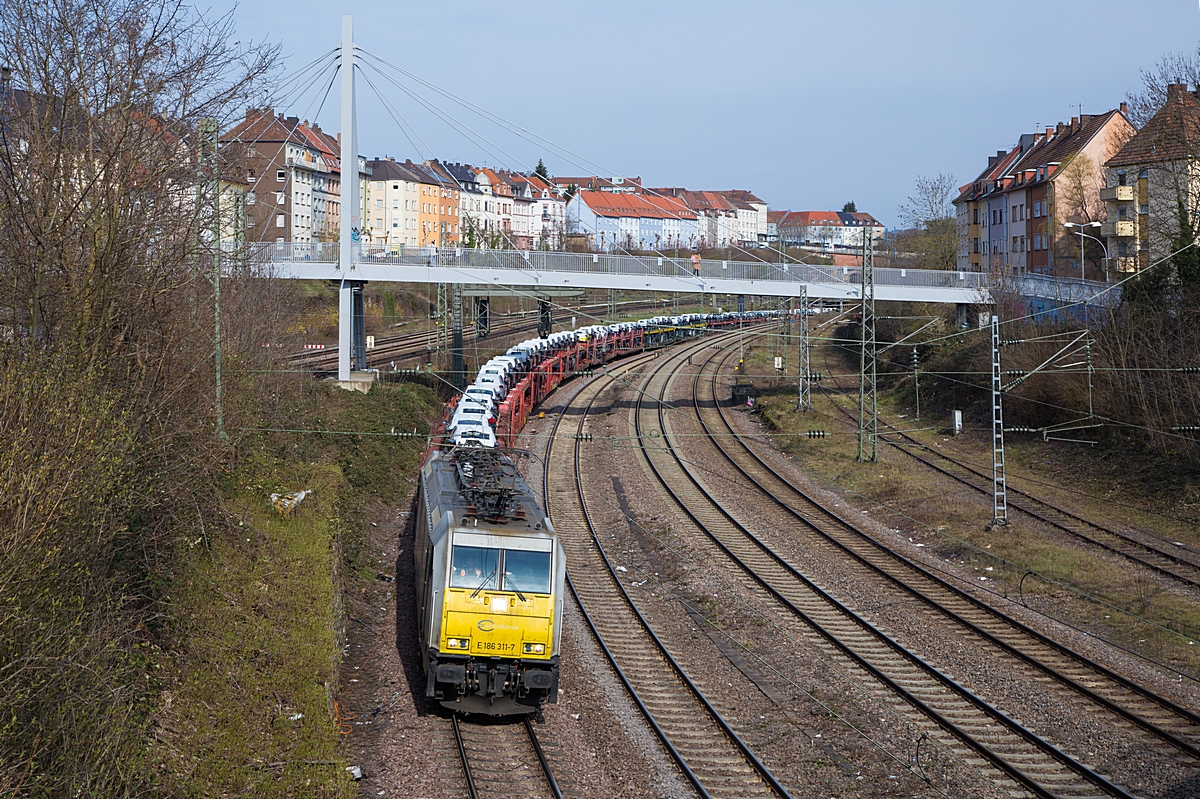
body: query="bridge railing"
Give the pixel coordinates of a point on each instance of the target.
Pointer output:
(625, 265)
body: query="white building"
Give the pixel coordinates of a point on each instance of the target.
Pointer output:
(392, 204)
(623, 222)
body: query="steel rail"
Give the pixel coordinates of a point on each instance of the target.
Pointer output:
(1004, 764)
(1046, 516)
(547, 772)
(756, 765)
(663, 738)
(462, 754)
(1189, 718)
(475, 781)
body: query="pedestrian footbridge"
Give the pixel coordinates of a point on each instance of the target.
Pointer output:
(539, 271)
(535, 269)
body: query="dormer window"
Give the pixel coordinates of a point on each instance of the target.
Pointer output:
(1120, 177)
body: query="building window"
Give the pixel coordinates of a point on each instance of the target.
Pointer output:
(1120, 177)
(1144, 208)
(278, 220)
(281, 176)
(1143, 172)
(250, 198)
(1122, 211)
(378, 222)
(976, 245)
(379, 203)
(1122, 250)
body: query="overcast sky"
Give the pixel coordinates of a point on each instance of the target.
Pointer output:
(808, 104)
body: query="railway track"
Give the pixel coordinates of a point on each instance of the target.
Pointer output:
(498, 764)
(401, 347)
(1017, 759)
(709, 753)
(1174, 726)
(406, 346)
(1166, 558)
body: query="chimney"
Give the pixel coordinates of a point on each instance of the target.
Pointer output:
(1058, 129)
(293, 120)
(1175, 91)
(1049, 132)
(1124, 107)
(1074, 122)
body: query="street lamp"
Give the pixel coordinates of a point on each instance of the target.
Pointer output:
(1082, 236)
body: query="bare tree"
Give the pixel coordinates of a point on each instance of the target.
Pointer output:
(106, 391)
(930, 213)
(1171, 68)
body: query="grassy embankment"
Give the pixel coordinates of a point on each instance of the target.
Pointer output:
(953, 520)
(251, 696)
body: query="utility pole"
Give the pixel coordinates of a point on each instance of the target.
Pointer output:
(458, 369)
(999, 485)
(443, 319)
(209, 146)
(868, 409)
(916, 367)
(804, 361)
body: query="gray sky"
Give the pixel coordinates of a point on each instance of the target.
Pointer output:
(808, 104)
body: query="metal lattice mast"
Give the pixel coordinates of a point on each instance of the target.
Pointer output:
(442, 325)
(868, 409)
(804, 361)
(999, 486)
(458, 369)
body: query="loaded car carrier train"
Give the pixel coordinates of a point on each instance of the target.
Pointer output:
(490, 571)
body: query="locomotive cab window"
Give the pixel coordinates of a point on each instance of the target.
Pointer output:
(527, 572)
(479, 567)
(475, 567)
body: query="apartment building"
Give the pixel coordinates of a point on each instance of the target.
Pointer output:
(392, 204)
(539, 211)
(293, 177)
(1148, 182)
(616, 185)
(828, 230)
(1011, 219)
(439, 215)
(625, 221)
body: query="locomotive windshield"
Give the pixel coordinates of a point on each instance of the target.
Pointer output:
(476, 568)
(527, 571)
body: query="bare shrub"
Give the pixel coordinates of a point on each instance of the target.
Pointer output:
(107, 452)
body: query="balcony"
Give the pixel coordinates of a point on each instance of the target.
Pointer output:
(1122, 194)
(1117, 229)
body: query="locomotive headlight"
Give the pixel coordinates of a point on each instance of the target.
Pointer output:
(535, 649)
(458, 643)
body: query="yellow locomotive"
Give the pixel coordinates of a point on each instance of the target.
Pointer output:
(489, 585)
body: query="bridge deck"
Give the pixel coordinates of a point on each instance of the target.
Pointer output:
(535, 269)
